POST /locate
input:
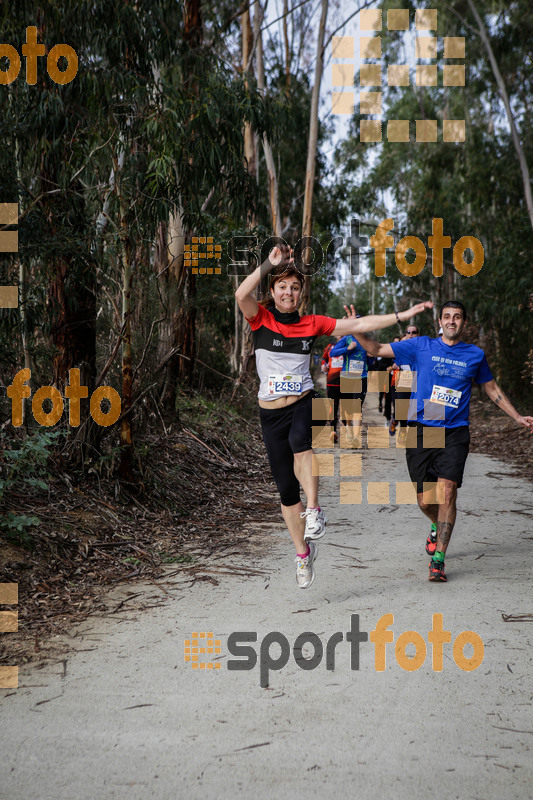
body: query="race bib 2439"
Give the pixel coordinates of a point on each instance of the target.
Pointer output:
(285, 384)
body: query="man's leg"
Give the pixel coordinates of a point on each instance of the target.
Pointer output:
(431, 510)
(351, 406)
(447, 512)
(333, 393)
(388, 409)
(442, 515)
(357, 420)
(336, 407)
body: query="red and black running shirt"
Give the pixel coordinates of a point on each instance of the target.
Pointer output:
(283, 352)
(334, 365)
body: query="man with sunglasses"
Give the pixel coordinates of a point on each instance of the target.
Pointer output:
(445, 368)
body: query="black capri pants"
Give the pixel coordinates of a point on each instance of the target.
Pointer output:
(287, 431)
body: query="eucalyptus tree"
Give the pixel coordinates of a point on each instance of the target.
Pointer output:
(99, 164)
(475, 186)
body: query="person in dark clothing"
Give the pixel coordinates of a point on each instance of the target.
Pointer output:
(332, 365)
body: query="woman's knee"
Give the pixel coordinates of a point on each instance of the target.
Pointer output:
(303, 455)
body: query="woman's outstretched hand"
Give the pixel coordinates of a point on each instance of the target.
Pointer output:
(414, 310)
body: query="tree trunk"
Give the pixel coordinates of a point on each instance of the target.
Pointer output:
(23, 284)
(74, 327)
(126, 426)
(162, 273)
(503, 92)
(269, 156)
(72, 294)
(247, 45)
(236, 349)
(307, 224)
(192, 22)
(250, 158)
(287, 48)
(181, 282)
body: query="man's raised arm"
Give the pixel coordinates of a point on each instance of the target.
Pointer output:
(375, 348)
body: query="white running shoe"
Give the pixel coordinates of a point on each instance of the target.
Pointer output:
(315, 523)
(305, 572)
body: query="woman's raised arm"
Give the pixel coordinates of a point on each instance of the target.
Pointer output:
(246, 300)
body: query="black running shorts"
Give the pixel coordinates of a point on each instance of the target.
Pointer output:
(426, 464)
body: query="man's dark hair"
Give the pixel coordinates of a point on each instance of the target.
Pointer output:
(453, 304)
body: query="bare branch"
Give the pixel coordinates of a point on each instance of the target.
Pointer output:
(330, 37)
(288, 13)
(109, 361)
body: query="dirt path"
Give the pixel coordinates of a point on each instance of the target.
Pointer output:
(124, 716)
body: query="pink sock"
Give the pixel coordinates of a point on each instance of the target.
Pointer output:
(304, 555)
(316, 508)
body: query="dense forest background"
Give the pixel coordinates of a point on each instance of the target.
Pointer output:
(205, 119)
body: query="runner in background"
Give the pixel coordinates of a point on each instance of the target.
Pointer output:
(385, 398)
(324, 361)
(394, 373)
(405, 385)
(283, 342)
(333, 366)
(353, 383)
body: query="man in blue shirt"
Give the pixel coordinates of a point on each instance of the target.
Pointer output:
(353, 384)
(445, 368)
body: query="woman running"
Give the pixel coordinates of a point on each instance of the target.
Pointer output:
(282, 341)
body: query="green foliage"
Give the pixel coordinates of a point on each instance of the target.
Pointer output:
(475, 187)
(182, 558)
(16, 528)
(25, 466)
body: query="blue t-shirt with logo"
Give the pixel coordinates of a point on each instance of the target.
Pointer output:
(355, 361)
(444, 375)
